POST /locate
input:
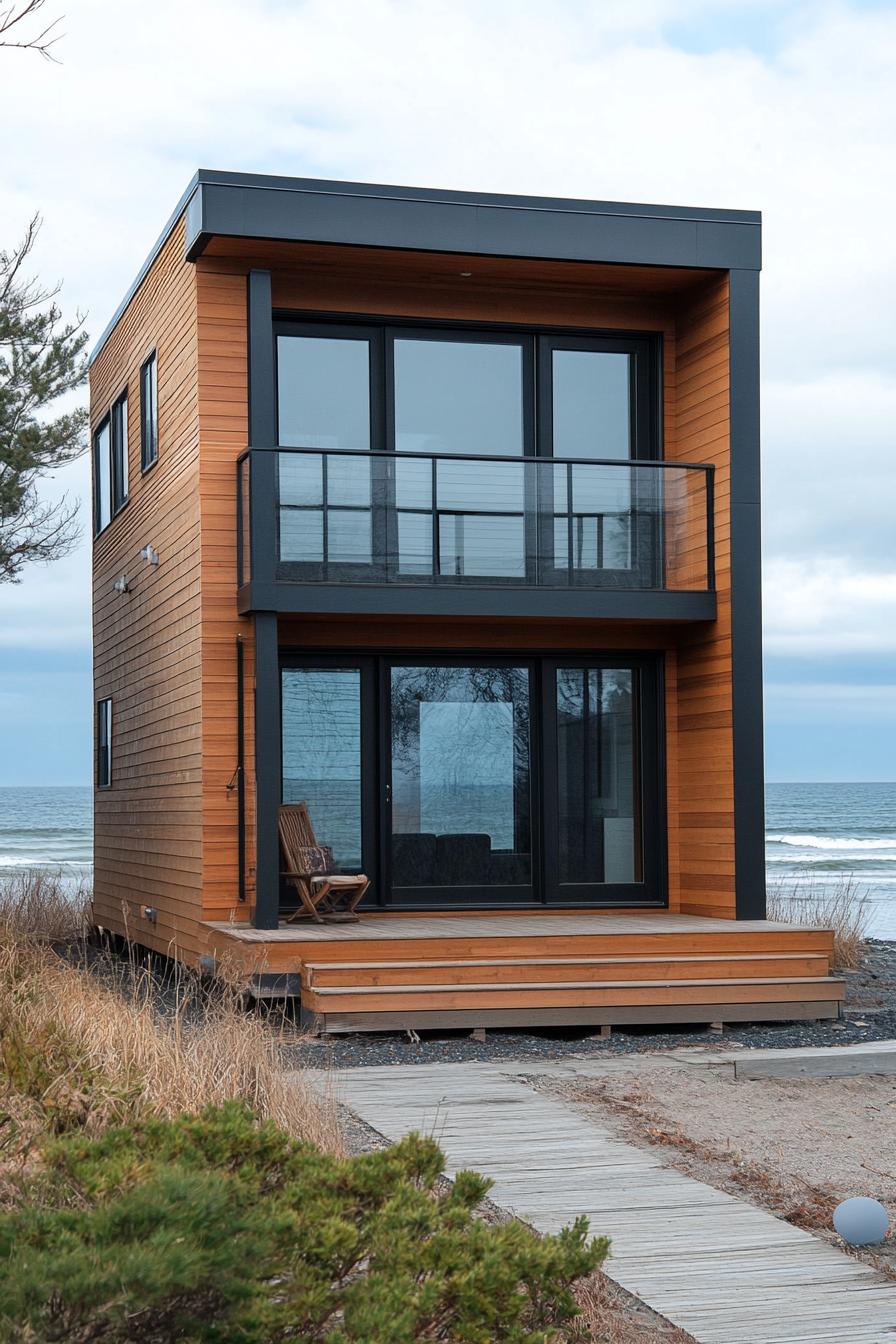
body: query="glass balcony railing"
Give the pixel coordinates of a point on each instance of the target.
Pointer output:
(337, 517)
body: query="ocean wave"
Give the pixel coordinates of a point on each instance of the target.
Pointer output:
(17, 861)
(880, 868)
(832, 842)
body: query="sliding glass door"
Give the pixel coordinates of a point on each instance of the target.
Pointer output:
(471, 782)
(459, 796)
(603, 813)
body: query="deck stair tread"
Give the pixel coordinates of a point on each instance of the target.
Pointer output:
(619, 959)
(453, 987)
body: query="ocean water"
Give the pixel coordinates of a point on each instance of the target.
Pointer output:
(816, 834)
(51, 828)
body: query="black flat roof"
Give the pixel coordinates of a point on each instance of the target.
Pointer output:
(303, 209)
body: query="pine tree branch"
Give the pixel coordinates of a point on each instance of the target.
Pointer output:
(41, 359)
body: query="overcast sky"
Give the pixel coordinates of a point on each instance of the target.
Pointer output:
(776, 105)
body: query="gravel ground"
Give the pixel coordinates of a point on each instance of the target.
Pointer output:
(870, 1016)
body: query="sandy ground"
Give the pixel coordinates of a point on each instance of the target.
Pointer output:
(794, 1146)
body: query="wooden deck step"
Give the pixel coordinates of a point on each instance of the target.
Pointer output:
(437, 997)
(538, 970)
(305, 946)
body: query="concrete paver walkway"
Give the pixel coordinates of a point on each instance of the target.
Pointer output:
(722, 1269)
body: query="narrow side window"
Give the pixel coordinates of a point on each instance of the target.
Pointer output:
(120, 452)
(102, 477)
(103, 744)
(149, 414)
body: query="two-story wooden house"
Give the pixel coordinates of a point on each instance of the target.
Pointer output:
(439, 512)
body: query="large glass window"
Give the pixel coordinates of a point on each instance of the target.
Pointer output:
(322, 754)
(460, 770)
(324, 391)
(591, 400)
(462, 396)
(484, 780)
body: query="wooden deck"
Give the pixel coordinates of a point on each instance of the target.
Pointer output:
(539, 969)
(720, 1268)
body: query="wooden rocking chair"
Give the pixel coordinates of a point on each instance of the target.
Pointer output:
(325, 896)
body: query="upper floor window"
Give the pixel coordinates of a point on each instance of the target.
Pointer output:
(119, 447)
(103, 744)
(110, 463)
(102, 475)
(473, 391)
(149, 414)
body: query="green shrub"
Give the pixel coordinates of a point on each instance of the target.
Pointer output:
(216, 1228)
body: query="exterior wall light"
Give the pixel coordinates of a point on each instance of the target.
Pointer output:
(121, 584)
(150, 555)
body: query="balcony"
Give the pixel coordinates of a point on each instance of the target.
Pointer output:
(324, 531)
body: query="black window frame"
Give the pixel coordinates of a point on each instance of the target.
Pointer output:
(650, 891)
(104, 719)
(537, 344)
(149, 412)
(118, 452)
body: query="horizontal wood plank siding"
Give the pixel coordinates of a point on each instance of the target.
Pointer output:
(147, 651)
(224, 431)
(704, 710)
(167, 830)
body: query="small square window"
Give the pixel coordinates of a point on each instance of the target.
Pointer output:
(104, 744)
(149, 414)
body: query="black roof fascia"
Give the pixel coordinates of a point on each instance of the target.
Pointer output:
(250, 205)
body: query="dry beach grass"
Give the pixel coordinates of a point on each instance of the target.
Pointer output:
(143, 1049)
(844, 907)
(114, 1040)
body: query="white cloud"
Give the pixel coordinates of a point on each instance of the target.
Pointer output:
(577, 98)
(828, 607)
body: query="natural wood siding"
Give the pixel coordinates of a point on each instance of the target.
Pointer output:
(148, 825)
(223, 413)
(167, 830)
(706, 840)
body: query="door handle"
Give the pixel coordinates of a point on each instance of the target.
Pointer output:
(388, 794)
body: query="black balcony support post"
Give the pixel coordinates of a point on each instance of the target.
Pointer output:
(746, 599)
(262, 534)
(267, 771)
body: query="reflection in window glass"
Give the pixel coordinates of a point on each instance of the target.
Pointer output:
(597, 775)
(591, 400)
(460, 776)
(323, 392)
(458, 397)
(322, 755)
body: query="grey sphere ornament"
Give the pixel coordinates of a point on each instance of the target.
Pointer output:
(861, 1221)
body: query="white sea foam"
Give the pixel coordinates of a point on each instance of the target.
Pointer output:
(833, 842)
